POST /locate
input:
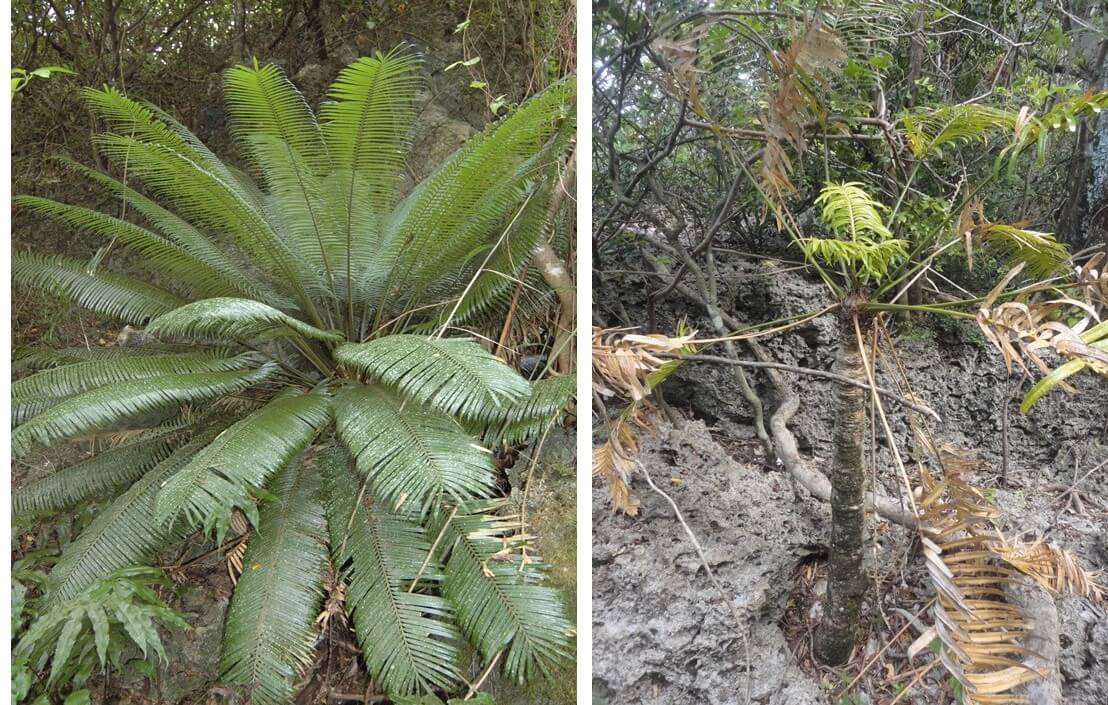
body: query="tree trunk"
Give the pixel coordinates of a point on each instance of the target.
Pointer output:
(239, 10)
(846, 581)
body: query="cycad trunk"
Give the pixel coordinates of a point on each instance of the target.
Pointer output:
(846, 582)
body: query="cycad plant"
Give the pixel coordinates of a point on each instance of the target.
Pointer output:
(309, 369)
(869, 270)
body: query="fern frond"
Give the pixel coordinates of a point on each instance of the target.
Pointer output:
(407, 640)
(106, 471)
(411, 454)
(224, 475)
(232, 272)
(461, 208)
(492, 285)
(262, 101)
(101, 408)
(45, 358)
(101, 292)
(268, 639)
(80, 377)
(233, 319)
(210, 201)
(124, 534)
(456, 376)
(850, 212)
(498, 593)
(869, 248)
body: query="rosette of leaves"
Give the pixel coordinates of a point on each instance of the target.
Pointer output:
(311, 369)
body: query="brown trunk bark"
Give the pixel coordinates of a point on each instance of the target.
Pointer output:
(846, 581)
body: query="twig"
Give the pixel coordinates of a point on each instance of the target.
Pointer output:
(488, 669)
(807, 371)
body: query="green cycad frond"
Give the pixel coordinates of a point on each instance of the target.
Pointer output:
(45, 358)
(226, 473)
(1044, 256)
(494, 281)
(408, 644)
(101, 408)
(232, 272)
(520, 420)
(267, 642)
(869, 248)
(131, 117)
(165, 257)
(463, 207)
(303, 208)
(101, 292)
(850, 212)
(928, 129)
(262, 101)
(411, 454)
(80, 377)
(124, 534)
(233, 319)
(366, 124)
(211, 202)
(499, 599)
(108, 470)
(456, 376)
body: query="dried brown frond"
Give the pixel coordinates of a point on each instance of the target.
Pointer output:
(981, 632)
(626, 365)
(335, 605)
(680, 55)
(1092, 281)
(1025, 330)
(614, 459)
(233, 558)
(790, 104)
(623, 362)
(1054, 568)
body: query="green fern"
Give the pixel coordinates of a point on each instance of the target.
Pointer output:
(310, 370)
(106, 471)
(407, 637)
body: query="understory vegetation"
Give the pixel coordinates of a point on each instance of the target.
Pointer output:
(332, 357)
(912, 163)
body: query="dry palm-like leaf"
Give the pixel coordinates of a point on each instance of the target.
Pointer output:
(626, 364)
(680, 56)
(1092, 282)
(789, 103)
(970, 564)
(1051, 567)
(980, 630)
(614, 459)
(335, 605)
(1028, 329)
(241, 527)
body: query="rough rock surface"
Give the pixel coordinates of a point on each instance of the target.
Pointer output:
(661, 632)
